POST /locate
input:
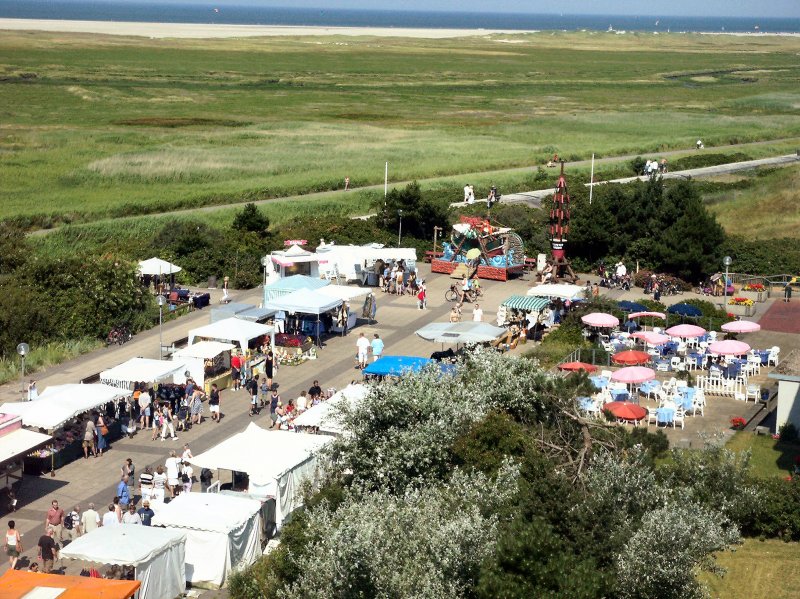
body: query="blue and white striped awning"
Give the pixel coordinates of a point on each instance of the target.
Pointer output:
(526, 303)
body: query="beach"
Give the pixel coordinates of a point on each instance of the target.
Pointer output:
(208, 30)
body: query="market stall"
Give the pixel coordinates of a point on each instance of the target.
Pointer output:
(158, 271)
(243, 333)
(562, 291)
(352, 296)
(18, 584)
(323, 417)
(288, 285)
(15, 444)
(294, 261)
(229, 310)
(309, 303)
(58, 410)
(255, 314)
(222, 534)
(292, 460)
(358, 262)
(142, 370)
(156, 554)
(205, 361)
(460, 332)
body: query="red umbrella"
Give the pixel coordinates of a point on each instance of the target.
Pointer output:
(625, 410)
(631, 357)
(575, 366)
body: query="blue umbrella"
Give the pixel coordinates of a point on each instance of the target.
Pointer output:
(627, 306)
(685, 310)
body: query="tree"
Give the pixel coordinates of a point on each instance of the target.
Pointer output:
(419, 214)
(251, 219)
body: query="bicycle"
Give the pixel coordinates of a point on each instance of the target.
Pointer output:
(454, 294)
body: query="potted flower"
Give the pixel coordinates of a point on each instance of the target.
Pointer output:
(741, 306)
(738, 423)
(754, 291)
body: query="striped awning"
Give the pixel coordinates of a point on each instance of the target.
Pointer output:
(526, 303)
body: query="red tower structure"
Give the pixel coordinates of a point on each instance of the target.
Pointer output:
(559, 230)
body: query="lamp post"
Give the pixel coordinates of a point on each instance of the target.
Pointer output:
(22, 350)
(727, 262)
(264, 261)
(161, 300)
(400, 227)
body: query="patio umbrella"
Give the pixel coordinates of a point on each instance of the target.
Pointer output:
(685, 310)
(627, 306)
(633, 375)
(473, 253)
(600, 319)
(651, 337)
(625, 410)
(460, 332)
(576, 366)
(741, 326)
(631, 358)
(729, 348)
(686, 330)
(660, 315)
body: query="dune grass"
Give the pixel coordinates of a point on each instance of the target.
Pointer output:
(44, 356)
(98, 127)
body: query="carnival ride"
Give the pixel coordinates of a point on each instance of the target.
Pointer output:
(559, 231)
(486, 250)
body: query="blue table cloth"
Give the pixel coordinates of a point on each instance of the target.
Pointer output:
(620, 394)
(663, 362)
(686, 397)
(764, 356)
(698, 358)
(670, 347)
(649, 387)
(586, 404)
(665, 415)
(599, 382)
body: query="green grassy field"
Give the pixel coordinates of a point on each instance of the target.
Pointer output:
(770, 458)
(98, 127)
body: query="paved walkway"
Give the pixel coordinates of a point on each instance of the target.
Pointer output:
(782, 316)
(397, 319)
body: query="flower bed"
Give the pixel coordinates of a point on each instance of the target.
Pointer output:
(738, 423)
(287, 340)
(753, 287)
(740, 301)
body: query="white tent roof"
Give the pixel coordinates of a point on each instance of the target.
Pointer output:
(207, 511)
(203, 349)
(460, 332)
(559, 290)
(368, 251)
(324, 416)
(234, 330)
(294, 251)
(245, 451)
(344, 292)
(304, 301)
(59, 403)
(123, 545)
(157, 266)
(20, 442)
(141, 369)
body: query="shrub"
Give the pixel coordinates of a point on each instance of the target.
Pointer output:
(251, 219)
(778, 515)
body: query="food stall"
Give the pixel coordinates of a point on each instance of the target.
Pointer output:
(59, 410)
(294, 261)
(207, 362)
(249, 336)
(15, 443)
(308, 305)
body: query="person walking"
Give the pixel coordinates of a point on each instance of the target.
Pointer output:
(146, 514)
(33, 392)
(269, 367)
(129, 470)
(477, 314)
(362, 347)
(55, 519)
(172, 466)
(110, 518)
(101, 430)
(48, 551)
(252, 389)
(159, 484)
(166, 423)
(377, 347)
(787, 293)
(225, 299)
(274, 402)
(123, 493)
(88, 439)
(90, 520)
(72, 524)
(13, 544)
(346, 183)
(213, 403)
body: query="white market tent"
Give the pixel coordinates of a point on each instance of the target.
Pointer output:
(59, 403)
(292, 459)
(562, 291)
(157, 554)
(233, 330)
(194, 357)
(304, 301)
(20, 442)
(345, 293)
(157, 267)
(140, 369)
(351, 260)
(324, 415)
(290, 284)
(460, 332)
(222, 534)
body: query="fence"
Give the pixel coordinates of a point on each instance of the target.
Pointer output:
(721, 386)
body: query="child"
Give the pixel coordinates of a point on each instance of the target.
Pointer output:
(422, 296)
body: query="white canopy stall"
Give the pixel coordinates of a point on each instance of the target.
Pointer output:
(157, 267)
(562, 291)
(352, 261)
(222, 534)
(233, 330)
(305, 301)
(295, 261)
(292, 459)
(140, 370)
(157, 554)
(60, 403)
(324, 415)
(195, 357)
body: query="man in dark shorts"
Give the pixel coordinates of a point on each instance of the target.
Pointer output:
(213, 403)
(252, 389)
(236, 366)
(274, 400)
(269, 366)
(48, 551)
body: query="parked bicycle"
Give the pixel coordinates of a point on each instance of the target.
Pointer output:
(453, 294)
(119, 335)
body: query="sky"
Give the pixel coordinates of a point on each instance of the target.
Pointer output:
(702, 8)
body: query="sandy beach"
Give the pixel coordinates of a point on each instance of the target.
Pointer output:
(204, 31)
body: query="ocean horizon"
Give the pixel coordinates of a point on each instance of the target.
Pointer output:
(210, 13)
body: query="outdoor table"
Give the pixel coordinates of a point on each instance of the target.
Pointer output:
(587, 404)
(731, 372)
(698, 358)
(620, 394)
(662, 363)
(669, 347)
(599, 382)
(665, 416)
(687, 398)
(764, 353)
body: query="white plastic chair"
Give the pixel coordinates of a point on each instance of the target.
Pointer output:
(712, 336)
(680, 416)
(606, 374)
(690, 363)
(773, 356)
(652, 416)
(753, 392)
(676, 364)
(738, 396)
(662, 367)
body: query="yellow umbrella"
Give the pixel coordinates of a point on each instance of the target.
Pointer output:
(473, 253)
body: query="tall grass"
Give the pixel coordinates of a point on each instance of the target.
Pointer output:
(45, 356)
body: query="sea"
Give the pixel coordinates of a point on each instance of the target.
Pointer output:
(248, 14)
